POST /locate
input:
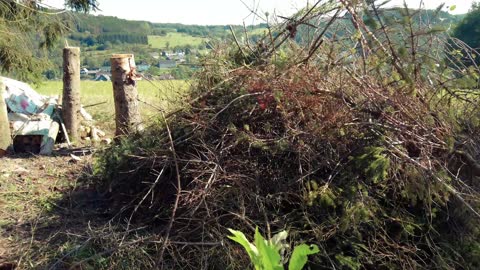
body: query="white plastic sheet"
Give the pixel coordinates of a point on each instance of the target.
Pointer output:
(21, 98)
(30, 113)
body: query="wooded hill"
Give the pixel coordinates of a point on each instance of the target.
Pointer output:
(90, 29)
(99, 36)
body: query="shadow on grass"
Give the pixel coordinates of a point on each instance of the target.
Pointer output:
(56, 219)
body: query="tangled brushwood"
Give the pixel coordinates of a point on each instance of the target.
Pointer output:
(352, 126)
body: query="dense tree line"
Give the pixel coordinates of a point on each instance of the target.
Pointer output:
(98, 25)
(468, 29)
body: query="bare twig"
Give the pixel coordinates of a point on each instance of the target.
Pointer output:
(159, 263)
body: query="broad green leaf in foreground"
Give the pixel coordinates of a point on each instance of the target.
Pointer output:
(269, 256)
(240, 238)
(300, 256)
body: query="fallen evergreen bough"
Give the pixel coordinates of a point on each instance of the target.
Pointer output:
(358, 139)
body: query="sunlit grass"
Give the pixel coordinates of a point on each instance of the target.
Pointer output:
(154, 96)
(174, 39)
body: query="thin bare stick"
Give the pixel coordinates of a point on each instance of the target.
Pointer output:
(236, 41)
(177, 199)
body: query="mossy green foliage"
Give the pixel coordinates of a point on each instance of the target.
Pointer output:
(374, 163)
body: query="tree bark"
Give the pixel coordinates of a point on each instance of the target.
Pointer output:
(71, 91)
(127, 115)
(5, 136)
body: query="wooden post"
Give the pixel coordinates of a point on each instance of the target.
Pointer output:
(71, 91)
(5, 136)
(125, 94)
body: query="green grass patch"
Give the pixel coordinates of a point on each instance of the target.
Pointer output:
(258, 31)
(173, 40)
(164, 95)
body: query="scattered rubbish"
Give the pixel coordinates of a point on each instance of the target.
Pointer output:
(74, 158)
(21, 98)
(63, 145)
(94, 134)
(101, 133)
(31, 117)
(35, 120)
(65, 133)
(106, 141)
(5, 137)
(91, 133)
(85, 115)
(83, 151)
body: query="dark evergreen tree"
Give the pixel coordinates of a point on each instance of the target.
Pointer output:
(468, 30)
(26, 26)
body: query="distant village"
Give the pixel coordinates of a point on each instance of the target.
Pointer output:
(166, 61)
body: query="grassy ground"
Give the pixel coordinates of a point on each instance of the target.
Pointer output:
(50, 216)
(158, 95)
(33, 228)
(174, 39)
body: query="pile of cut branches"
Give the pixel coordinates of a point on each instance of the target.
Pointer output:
(354, 141)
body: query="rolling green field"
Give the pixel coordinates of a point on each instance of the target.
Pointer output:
(154, 97)
(258, 31)
(174, 39)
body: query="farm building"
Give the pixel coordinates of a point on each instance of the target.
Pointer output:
(102, 78)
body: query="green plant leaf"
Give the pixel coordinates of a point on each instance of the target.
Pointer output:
(269, 256)
(240, 238)
(453, 7)
(300, 256)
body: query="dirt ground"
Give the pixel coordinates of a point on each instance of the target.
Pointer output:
(43, 201)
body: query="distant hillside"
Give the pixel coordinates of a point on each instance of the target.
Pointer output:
(174, 40)
(100, 36)
(90, 30)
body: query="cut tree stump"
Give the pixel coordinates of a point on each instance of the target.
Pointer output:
(5, 136)
(71, 105)
(127, 115)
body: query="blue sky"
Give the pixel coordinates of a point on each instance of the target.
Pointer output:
(222, 11)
